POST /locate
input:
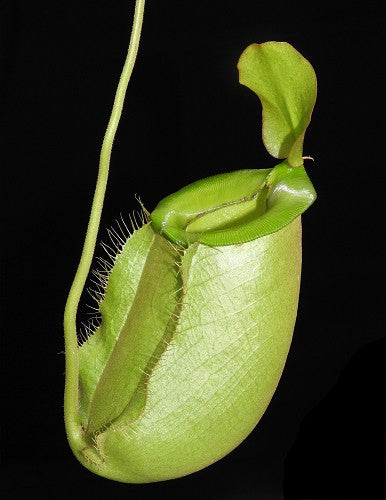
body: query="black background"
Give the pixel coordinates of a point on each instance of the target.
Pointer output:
(186, 117)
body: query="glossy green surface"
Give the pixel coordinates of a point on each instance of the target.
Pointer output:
(247, 204)
(233, 208)
(199, 305)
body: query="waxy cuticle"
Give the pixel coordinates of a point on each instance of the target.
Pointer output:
(198, 303)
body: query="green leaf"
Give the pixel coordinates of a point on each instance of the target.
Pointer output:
(285, 82)
(199, 304)
(192, 358)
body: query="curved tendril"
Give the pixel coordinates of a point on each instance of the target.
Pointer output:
(73, 428)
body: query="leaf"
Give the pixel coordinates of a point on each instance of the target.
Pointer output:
(200, 304)
(285, 82)
(197, 385)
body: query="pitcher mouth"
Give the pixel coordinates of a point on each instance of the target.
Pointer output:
(236, 207)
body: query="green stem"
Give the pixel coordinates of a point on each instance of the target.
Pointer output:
(71, 400)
